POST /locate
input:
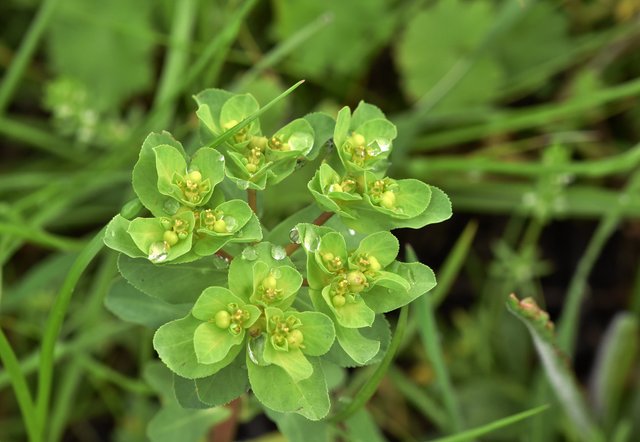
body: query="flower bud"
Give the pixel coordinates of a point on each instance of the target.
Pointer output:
(269, 282)
(338, 301)
(388, 200)
(220, 226)
(295, 339)
(357, 281)
(222, 319)
(195, 176)
(170, 237)
(374, 265)
(251, 168)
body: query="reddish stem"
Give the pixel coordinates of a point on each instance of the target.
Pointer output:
(320, 220)
(226, 431)
(222, 254)
(252, 199)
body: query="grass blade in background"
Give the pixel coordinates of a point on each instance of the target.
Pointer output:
(562, 379)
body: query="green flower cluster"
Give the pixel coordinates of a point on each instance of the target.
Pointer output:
(278, 315)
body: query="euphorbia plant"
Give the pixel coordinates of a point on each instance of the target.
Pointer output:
(238, 307)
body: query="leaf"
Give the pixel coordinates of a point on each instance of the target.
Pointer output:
(613, 365)
(236, 109)
(323, 126)
(212, 344)
(186, 393)
(117, 238)
(381, 245)
(145, 175)
(420, 277)
(176, 283)
(295, 427)
(174, 423)
(226, 385)
(131, 305)
(353, 314)
(562, 379)
(210, 102)
(277, 391)
(174, 344)
(435, 40)
(239, 269)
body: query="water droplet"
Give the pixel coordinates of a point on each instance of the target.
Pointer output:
(352, 232)
(276, 273)
(249, 253)
(311, 241)
(384, 144)
(231, 223)
(221, 158)
(278, 253)
(158, 252)
(294, 235)
(255, 349)
(220, 262)
(242, 184)
(171, 206)
(301, 141)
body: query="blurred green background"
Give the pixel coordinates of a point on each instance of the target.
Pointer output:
(525, 112)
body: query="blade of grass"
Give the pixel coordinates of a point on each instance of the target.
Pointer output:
(33, 136)
(176, 59)
(40, 237)
(453, 263)
(20, 387)
(25, 52)
(568, 322)
(419, 398)
(54, 324)
(430, 339)
(562, 379)
(277, 54)
(231, 132)
(530, 118)
(493, 426)
(370, 386)
(617, 164)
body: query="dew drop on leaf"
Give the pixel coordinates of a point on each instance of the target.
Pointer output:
(384, 144)
(158, 252)
(242, 184)
(294, 235)
(278, 253)
(231, 223)
(255, 350)
(352, 232)
(249, 253)
(276, 273)
(311, 241)
(171, 206)
(300, 141)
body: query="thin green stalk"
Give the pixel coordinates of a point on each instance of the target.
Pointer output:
(24, 54)
(538, 116)
(40, 237)
(176, 59)
(20, 387)
(568, 322)
(278, 53)
(103, 372)
(431, 342)
(370, 386)
(493, 426)
(54, 324)
(64, 399)
(32, 136)
(419, 398)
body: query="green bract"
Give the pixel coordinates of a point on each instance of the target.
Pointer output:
(262, 315)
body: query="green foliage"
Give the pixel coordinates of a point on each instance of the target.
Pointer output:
(253, 308)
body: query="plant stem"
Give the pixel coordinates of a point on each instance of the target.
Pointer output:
(224, 255)
(53, 326)
(252, 199)
(27, 48)
(19, 384)
(226, 431)
(320, 220)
